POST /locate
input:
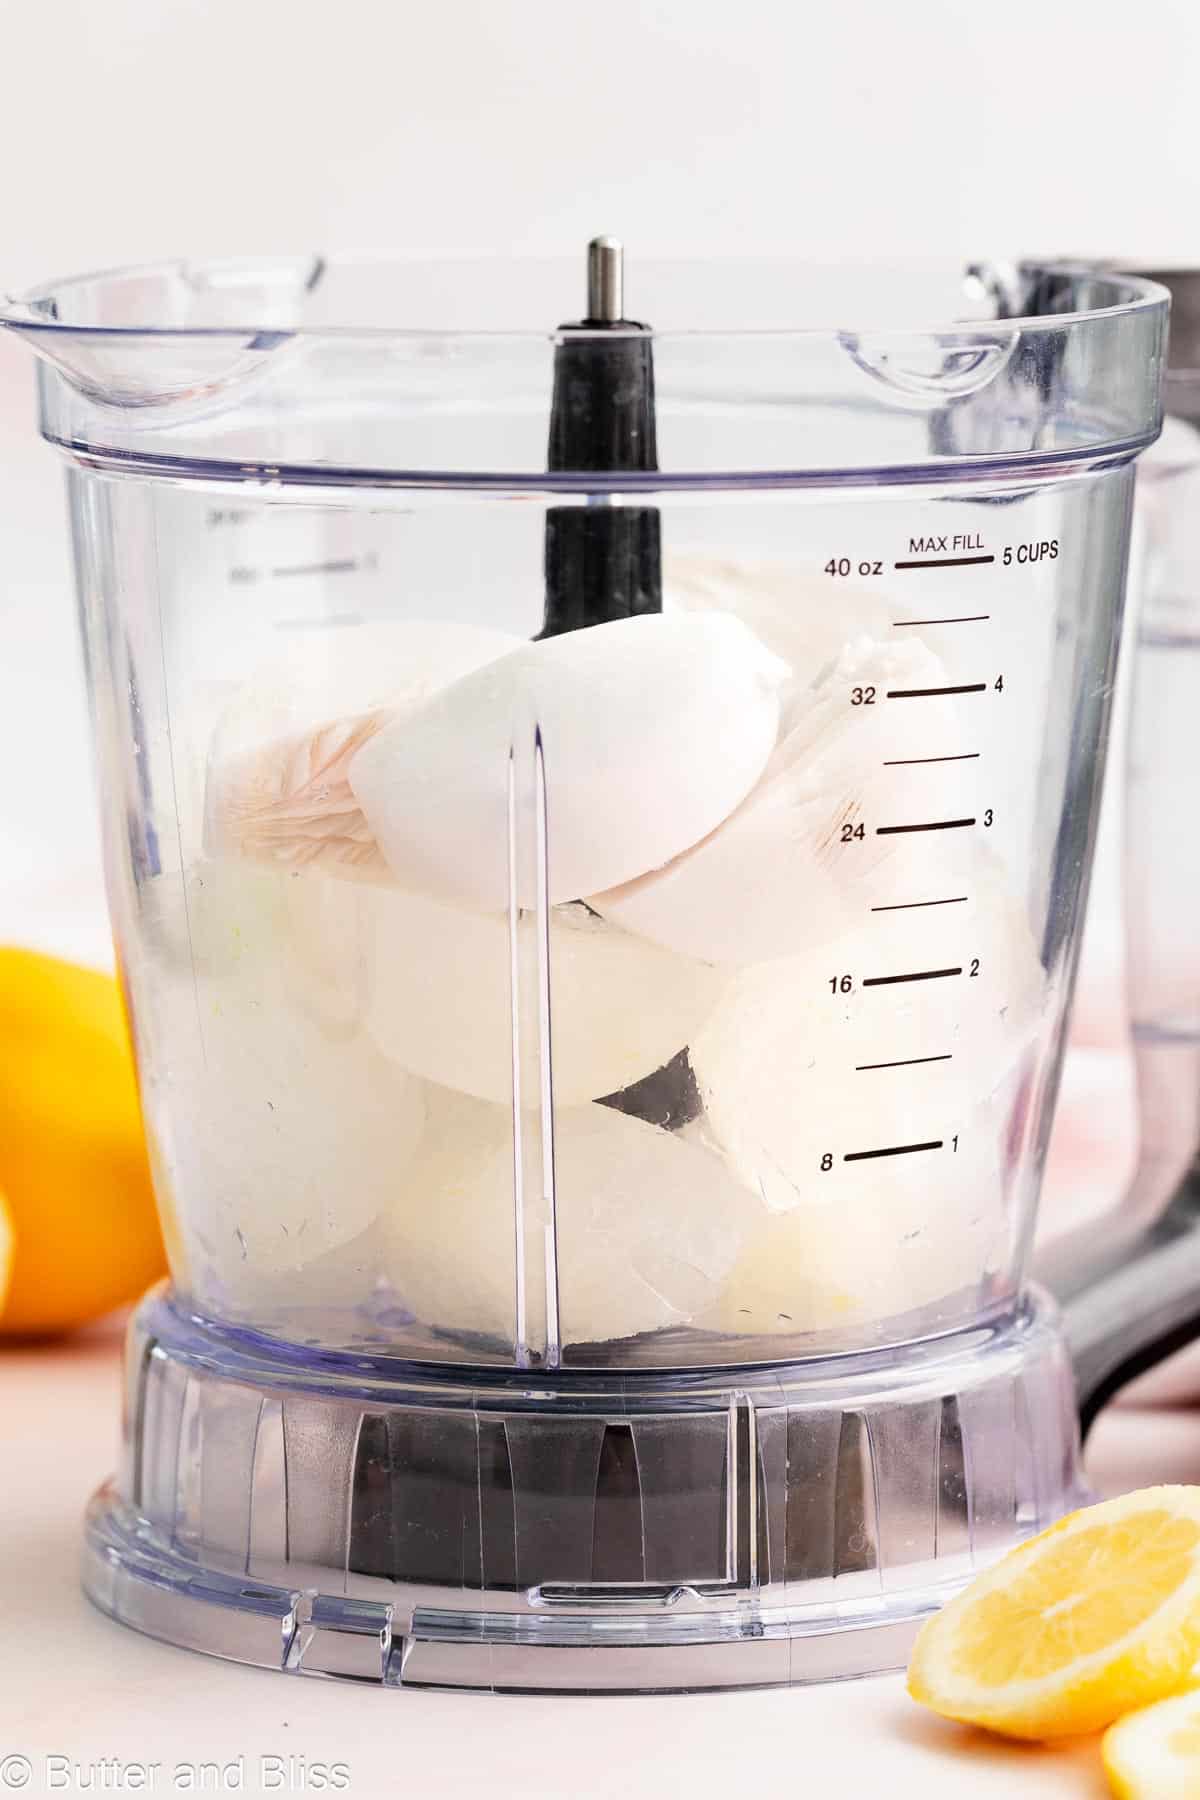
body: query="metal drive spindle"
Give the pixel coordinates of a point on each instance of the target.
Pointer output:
(603, 560)
(606, 281)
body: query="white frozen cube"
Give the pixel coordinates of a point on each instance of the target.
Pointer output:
(439, 985)
(277, 786)
(606, 751)
(811, 849)
(869, 1114)
(280, 1134)
(804, 616)
(648, 1226)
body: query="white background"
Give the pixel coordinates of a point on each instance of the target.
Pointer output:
(826, 129)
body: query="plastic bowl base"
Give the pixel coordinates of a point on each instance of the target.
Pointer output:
(330, 1514)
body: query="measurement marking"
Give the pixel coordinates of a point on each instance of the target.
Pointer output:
(909, 905)
(970, 687)
(907, 1062)
(892, 1150)
(918, 975)
(930, 825)
(904, 762)
(345, 566)
(964, 619)
(944, 562)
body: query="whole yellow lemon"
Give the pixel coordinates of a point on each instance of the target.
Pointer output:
(6, 1249)
(73, 1165)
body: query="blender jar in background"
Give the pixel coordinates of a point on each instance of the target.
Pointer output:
(1139, 1263)
(596, 824)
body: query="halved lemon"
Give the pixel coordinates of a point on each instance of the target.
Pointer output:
(1154, 1754)
(1094, 1617)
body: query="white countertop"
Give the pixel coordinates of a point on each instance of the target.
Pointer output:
(76, 1686)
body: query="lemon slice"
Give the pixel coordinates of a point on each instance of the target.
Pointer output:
(1155, 1754)
(1098, 1615)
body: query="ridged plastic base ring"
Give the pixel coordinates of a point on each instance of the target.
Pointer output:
(356, 1516)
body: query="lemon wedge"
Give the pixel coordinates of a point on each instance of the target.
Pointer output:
(1097, 1616)
(1154, 1754)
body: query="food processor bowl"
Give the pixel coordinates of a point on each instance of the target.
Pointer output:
(597, 817)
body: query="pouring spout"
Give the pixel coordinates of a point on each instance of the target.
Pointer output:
(166, 334)
(114, 367)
